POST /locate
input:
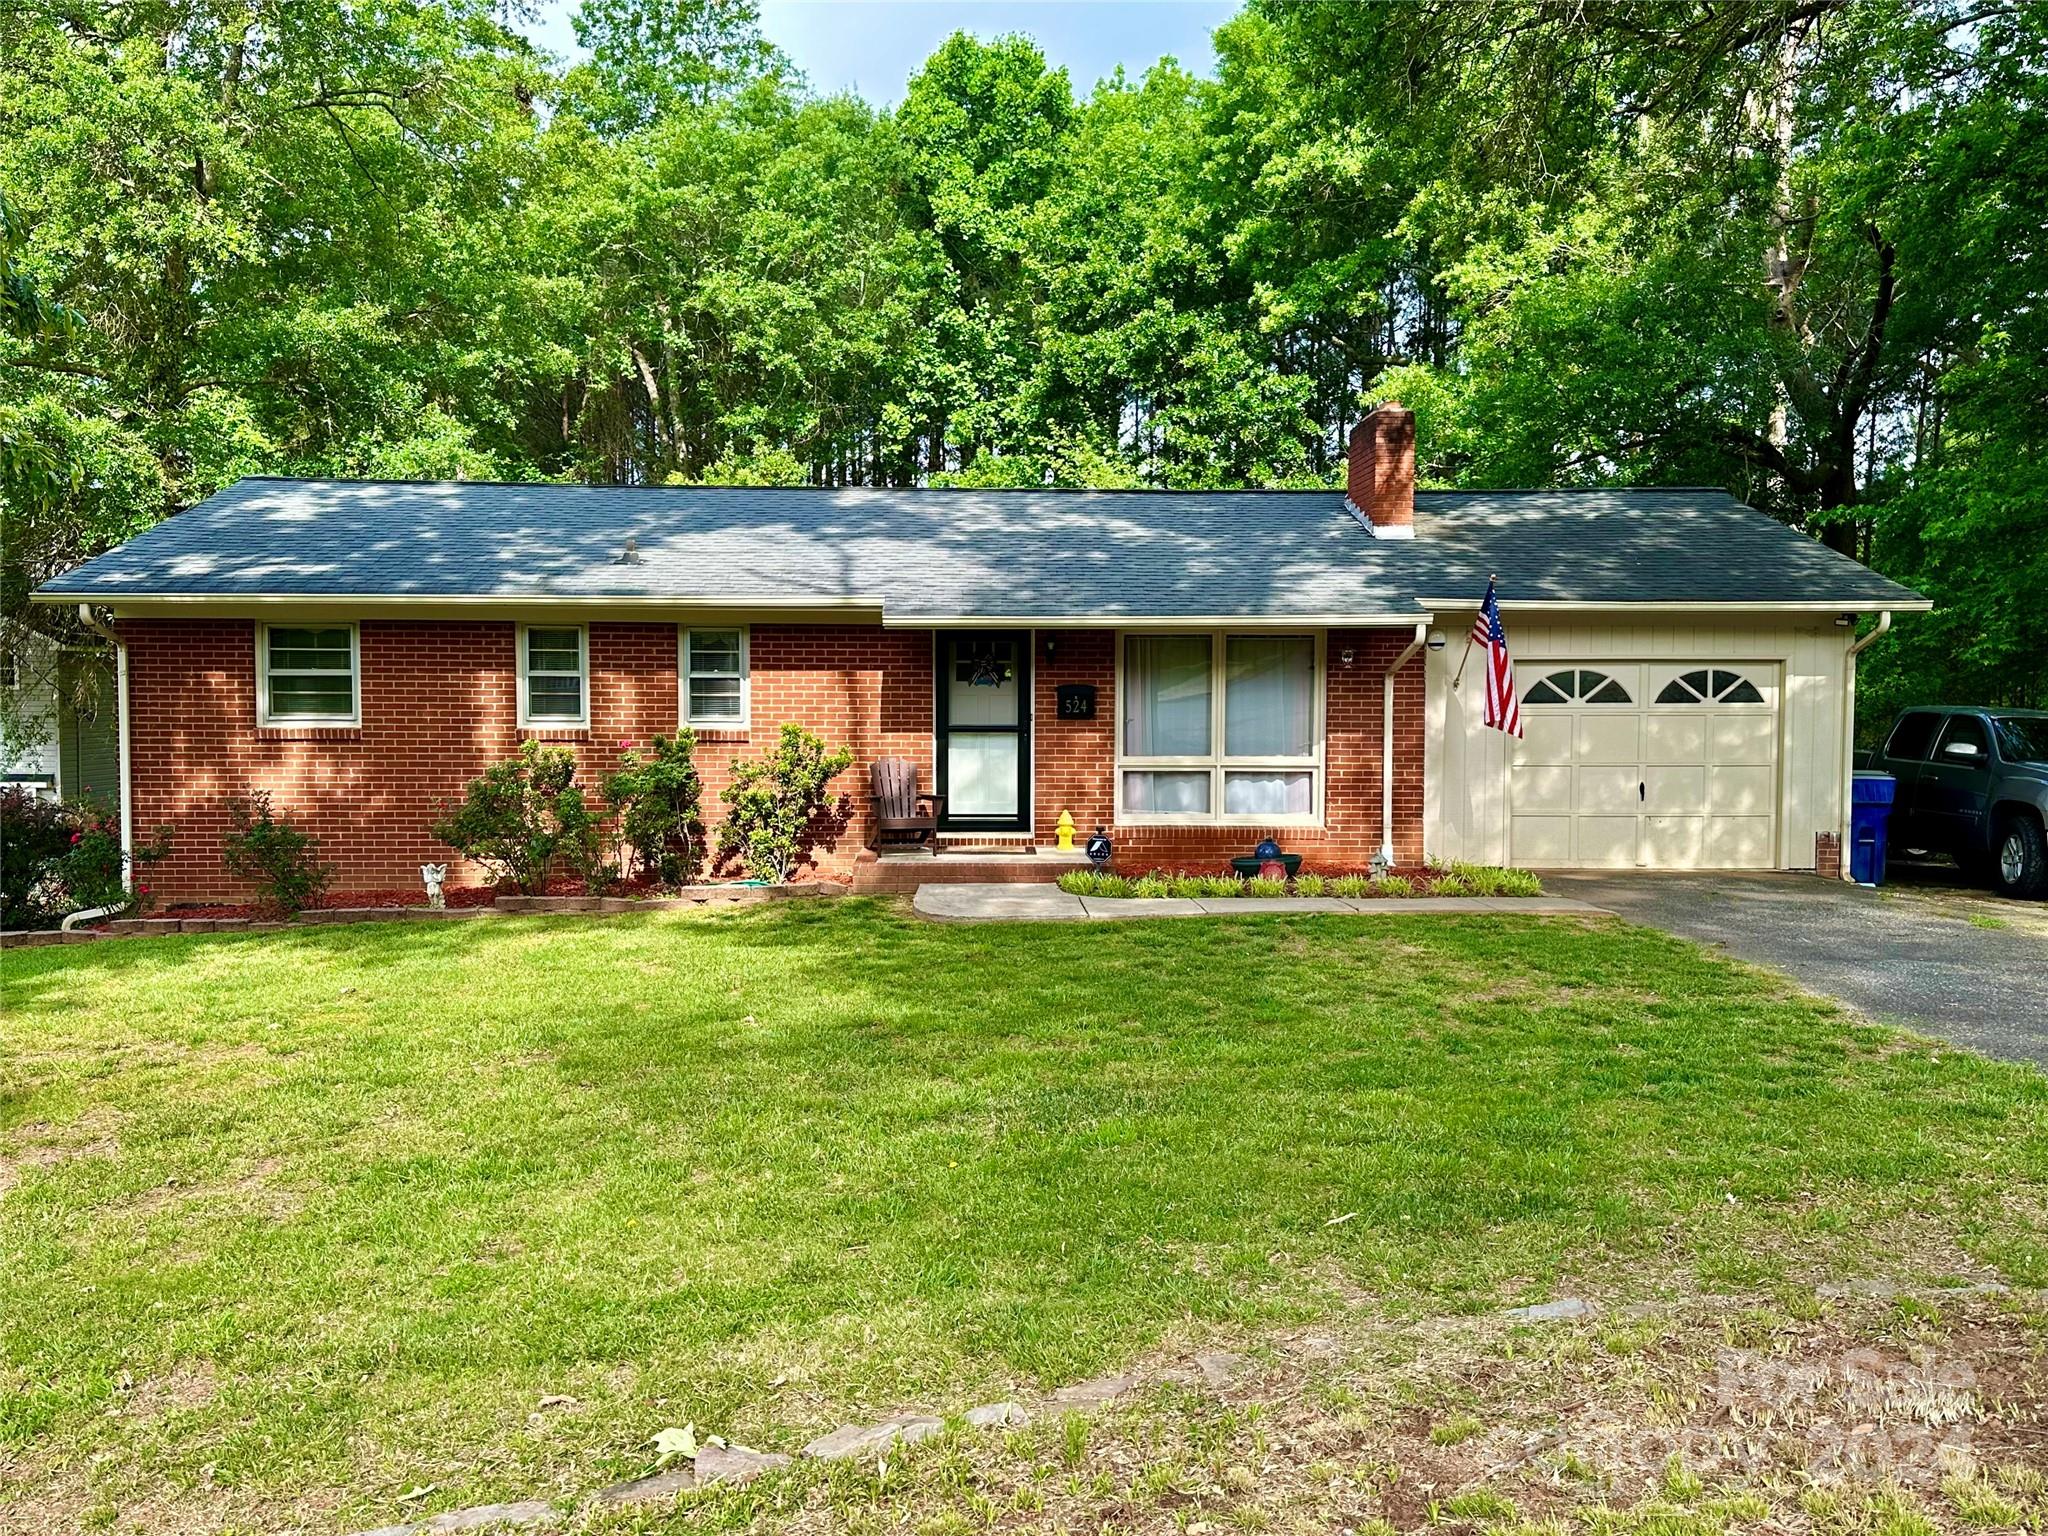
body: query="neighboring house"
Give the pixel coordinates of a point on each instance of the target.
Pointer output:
(57, 732)
(1190, 670)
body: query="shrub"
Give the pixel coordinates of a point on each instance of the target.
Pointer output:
(517, 817)
(1222, 885)
(1492, 880)
(775, 802)
(657, 802)
(282, 859)
(93, 873)
(1094, 882)
(57, 858)
(1351, 885)
(1153, 885)
(1392, 885)
(1258, 885)
(34, 834)
(1186, 886)
(1311, 885)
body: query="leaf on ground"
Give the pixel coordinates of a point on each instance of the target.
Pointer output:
(676, 1444)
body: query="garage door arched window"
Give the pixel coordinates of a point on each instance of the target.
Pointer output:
(1580, 686)
(1710, 685)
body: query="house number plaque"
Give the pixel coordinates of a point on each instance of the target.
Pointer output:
(1077, 701)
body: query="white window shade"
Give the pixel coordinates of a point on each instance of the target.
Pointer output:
(1166, 695)
(1269, 702)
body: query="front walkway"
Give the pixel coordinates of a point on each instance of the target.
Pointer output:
(1921, 951)
(1050, 904)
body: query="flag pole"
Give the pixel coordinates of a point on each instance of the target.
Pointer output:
(1456, 682)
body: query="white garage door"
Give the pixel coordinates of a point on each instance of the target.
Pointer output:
(1635, 765)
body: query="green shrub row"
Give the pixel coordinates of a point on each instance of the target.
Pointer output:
(1435, 880)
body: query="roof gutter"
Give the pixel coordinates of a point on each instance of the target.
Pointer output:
(1800, 605)
(106, 631)
(1387, 740)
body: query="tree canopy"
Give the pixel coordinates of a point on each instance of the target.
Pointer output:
(1793, 248)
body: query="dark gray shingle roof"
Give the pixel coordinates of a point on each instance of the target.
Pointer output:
(962, 554)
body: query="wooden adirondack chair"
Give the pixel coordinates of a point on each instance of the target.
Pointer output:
(899, 809)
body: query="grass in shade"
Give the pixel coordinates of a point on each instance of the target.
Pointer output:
(306, 1221)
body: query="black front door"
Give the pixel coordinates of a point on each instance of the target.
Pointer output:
(983, 710)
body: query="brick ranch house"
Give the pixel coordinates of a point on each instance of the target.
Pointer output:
(1190, 670)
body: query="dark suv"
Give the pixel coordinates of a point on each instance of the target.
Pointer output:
(1973, 783)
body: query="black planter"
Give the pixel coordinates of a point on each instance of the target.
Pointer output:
(1250, 866)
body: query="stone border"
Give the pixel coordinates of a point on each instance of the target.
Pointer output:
(687, 899)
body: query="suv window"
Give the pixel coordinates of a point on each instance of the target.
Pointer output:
(2022, 738)
(1970, 729)
(1912, 736)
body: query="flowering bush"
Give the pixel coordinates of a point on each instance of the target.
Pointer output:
(59, 857)
(282, 860)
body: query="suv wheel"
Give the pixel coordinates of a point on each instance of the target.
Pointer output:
(2019, 865)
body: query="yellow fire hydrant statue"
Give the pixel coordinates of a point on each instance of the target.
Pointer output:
(1065, 842)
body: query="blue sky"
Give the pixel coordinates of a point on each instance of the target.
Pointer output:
(874, 46)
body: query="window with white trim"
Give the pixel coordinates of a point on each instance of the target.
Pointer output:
(715, 678)
(1224, 728)
(554, 675)
(306, 674)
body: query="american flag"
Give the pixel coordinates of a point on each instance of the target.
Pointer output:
(1503, 709)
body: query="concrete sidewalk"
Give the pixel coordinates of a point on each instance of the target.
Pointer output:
(1050, 904)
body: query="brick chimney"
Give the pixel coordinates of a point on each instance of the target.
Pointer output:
(1380, 483)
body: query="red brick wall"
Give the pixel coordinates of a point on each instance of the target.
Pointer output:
(439, 704)
(1075, 761)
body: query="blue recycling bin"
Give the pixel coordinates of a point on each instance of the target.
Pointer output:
(1870, 810)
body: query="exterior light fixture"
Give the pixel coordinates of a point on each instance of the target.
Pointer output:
(1436, 642)
(1347, 656)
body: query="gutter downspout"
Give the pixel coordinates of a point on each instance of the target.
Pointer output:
(1856, 648)
(1387, 740)
(92, 622)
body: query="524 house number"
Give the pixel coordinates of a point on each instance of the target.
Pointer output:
(1077, 701)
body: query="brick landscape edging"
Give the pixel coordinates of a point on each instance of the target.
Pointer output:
(688, 898)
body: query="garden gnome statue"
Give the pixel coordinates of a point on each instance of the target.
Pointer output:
(434, 874)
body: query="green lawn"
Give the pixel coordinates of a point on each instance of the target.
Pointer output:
(302, 1221)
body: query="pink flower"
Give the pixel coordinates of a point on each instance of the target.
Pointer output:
(142, 890)
(76, 836)
(624, 745)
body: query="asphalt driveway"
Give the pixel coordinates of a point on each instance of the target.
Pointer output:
(1923, 951)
